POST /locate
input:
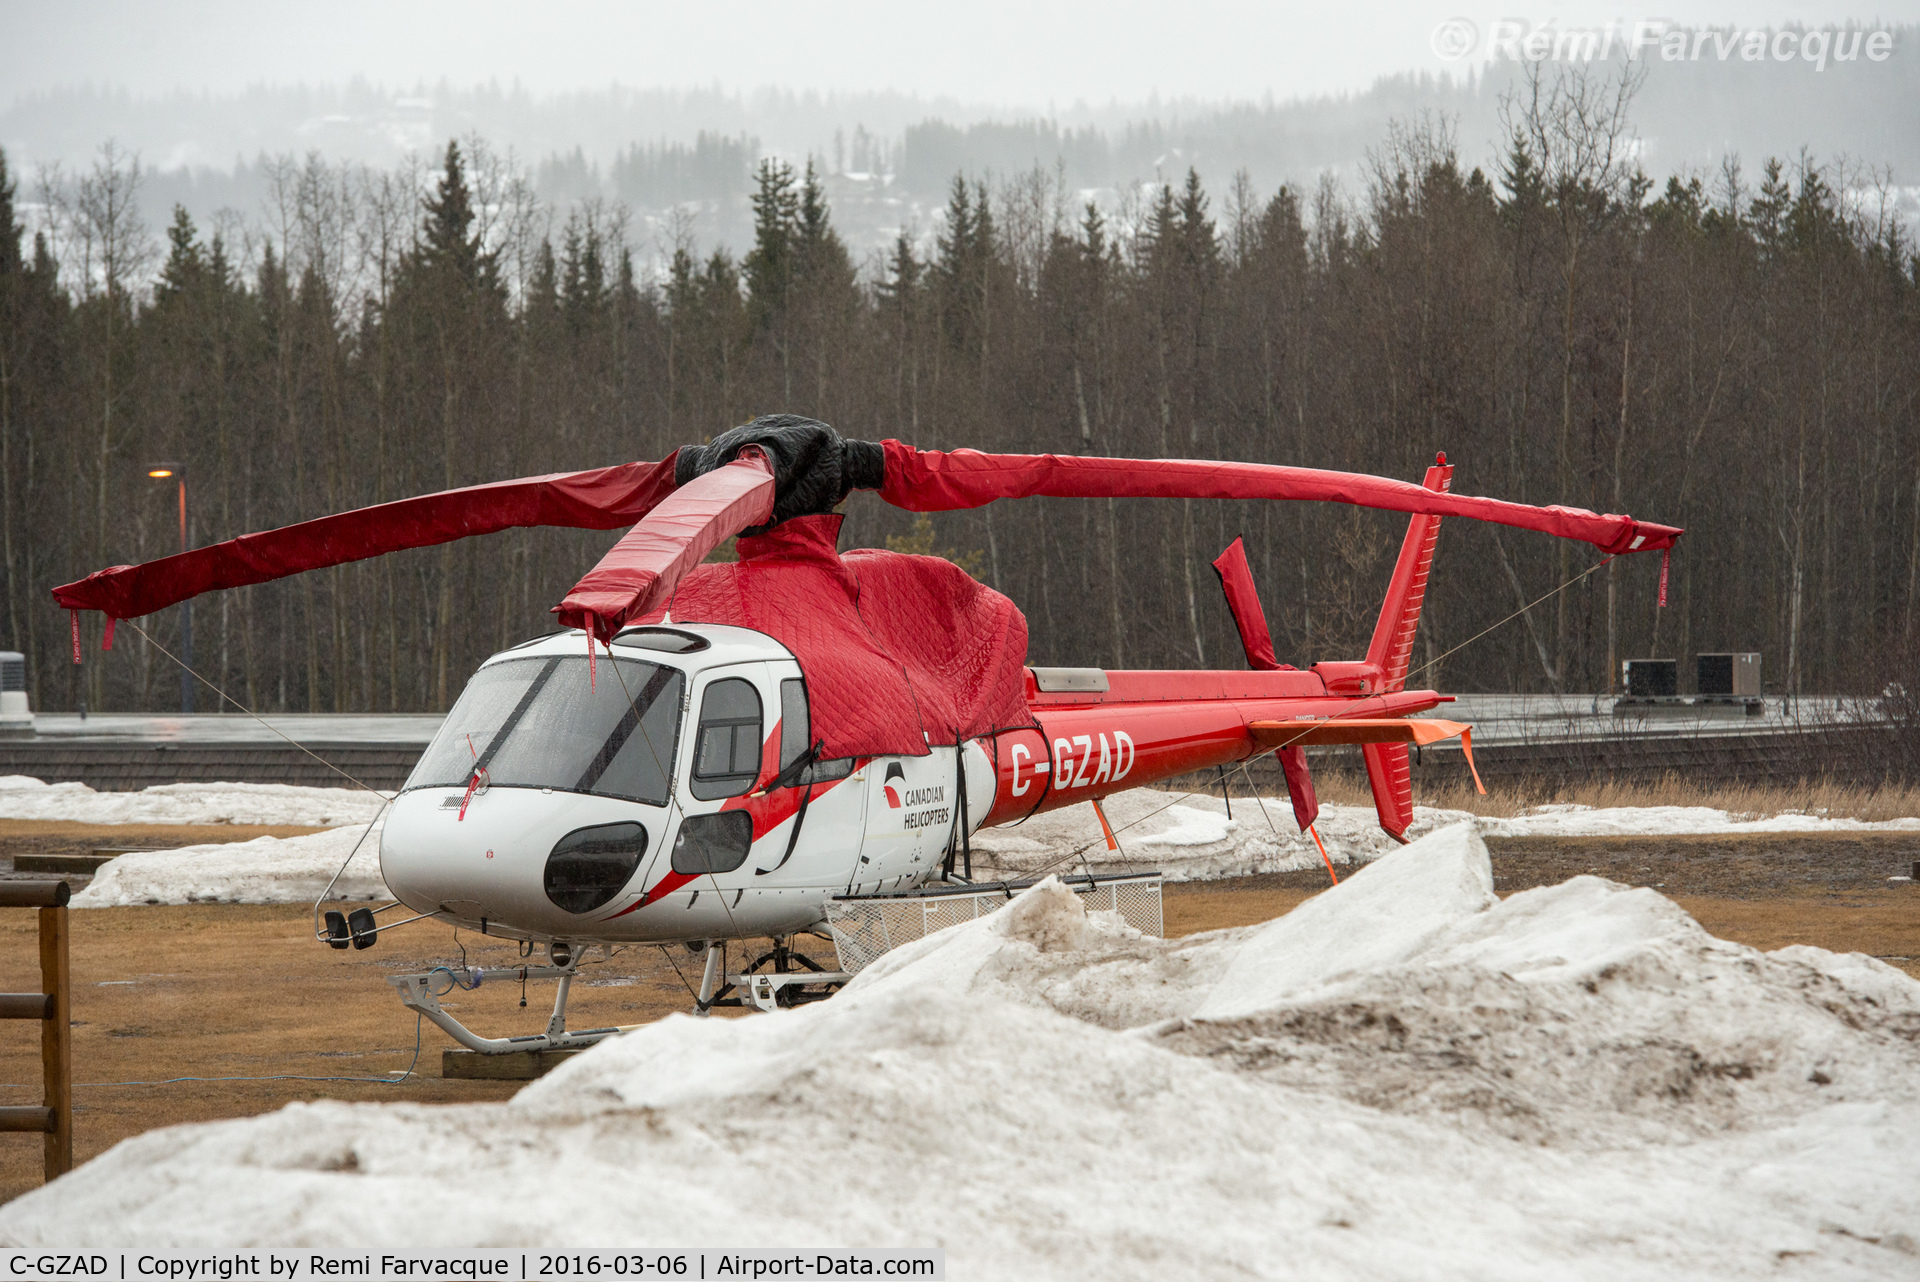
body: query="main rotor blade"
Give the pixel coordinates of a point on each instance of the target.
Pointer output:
(643, 568)
(944, 481)
(603, 498)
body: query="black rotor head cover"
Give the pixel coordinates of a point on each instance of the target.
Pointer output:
(814, 467)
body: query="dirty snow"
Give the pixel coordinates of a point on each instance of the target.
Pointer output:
(24, 797)
(266, 870)
(1411, 1080)
(1191, 838)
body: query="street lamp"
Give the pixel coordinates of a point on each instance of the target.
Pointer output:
(178, 472)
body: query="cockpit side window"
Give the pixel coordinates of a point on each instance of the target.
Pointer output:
(726, 752)
(796, 736)
(795, 726)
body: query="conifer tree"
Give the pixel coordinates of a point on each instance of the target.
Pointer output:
(450, 245)
(184, 266)
(769, 266)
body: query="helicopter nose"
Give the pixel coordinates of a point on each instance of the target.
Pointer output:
(525, 858)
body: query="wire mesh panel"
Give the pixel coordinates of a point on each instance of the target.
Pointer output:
(866, 927)
(1139, 905)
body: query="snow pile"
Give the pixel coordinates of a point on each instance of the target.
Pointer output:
(1402, 1079)
(23, 797)
(266, 870)
(1186, 837)
(1189, 837)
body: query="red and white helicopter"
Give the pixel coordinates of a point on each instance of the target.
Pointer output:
(715, 752)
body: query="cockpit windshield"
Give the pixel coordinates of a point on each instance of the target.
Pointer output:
(538, 723)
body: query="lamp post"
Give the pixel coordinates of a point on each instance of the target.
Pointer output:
(178, 472)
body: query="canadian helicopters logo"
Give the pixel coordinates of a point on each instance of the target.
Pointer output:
(932, 798)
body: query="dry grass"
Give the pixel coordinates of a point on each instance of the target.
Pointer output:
(1747, 801)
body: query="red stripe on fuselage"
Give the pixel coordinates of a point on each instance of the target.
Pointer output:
(1096, 750)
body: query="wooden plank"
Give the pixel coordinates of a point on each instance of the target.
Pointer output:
(56, 1039)
(26, 1006)
(76, 865)
(514, 1066)
(26, 1117)
(34, 894)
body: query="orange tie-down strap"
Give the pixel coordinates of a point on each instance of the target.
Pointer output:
(1345, 730)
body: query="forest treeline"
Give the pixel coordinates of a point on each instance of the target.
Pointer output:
(1735, 353)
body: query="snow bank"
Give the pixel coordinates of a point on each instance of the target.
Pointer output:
(1187, 837)
(23, 797)
(266, 870)
(1190, 837)
(1410, 1081)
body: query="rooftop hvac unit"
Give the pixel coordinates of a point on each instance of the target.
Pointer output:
(1734, 676)
(15, 716)
(1651, 678)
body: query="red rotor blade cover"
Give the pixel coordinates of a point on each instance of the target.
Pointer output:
(1243, 602)
(604, 498)
(641, 571)
(944, 481)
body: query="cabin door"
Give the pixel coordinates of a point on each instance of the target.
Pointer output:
(910, 815)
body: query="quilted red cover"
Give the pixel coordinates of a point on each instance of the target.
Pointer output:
(899, 652)
(642, 569)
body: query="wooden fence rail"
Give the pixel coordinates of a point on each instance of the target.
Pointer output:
(53, 1007)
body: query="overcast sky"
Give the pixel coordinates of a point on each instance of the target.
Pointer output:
(1022, 53)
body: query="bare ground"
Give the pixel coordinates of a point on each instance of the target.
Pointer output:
(210, 991)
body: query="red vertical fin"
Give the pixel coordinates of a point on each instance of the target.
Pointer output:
(1306, 805)
(1392, 782)
(1236, 580)
(1392, 646)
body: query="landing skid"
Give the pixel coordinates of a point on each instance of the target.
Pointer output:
(417, 993)
(794, 980)
(775, 980)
